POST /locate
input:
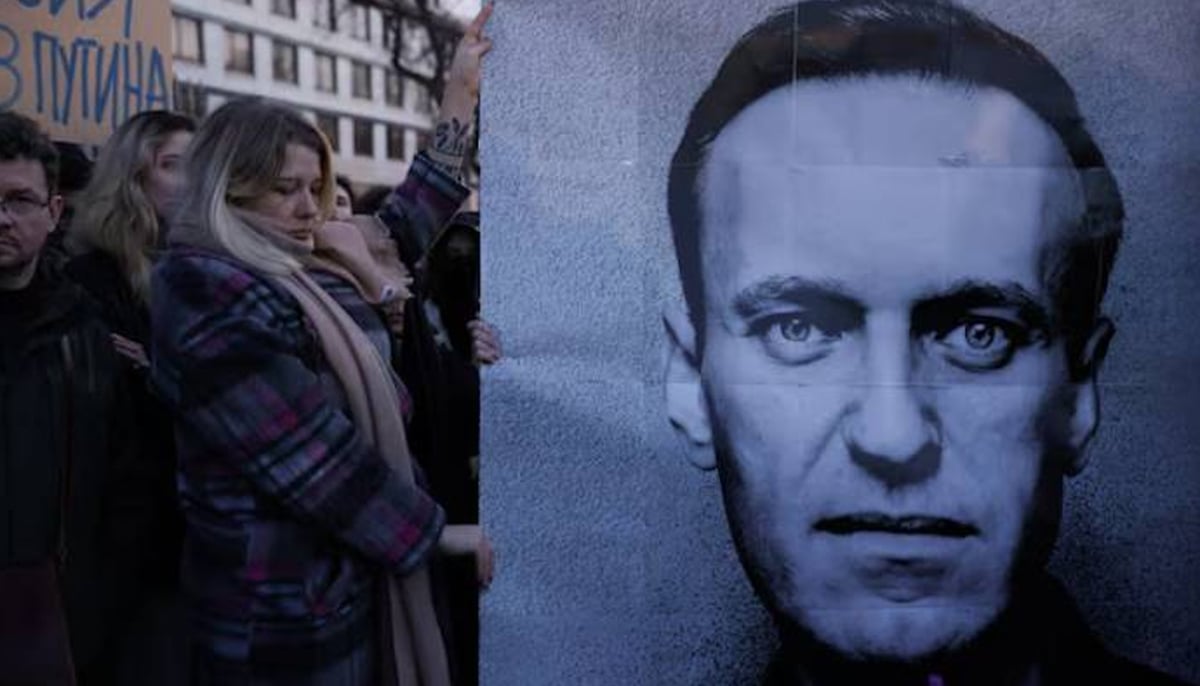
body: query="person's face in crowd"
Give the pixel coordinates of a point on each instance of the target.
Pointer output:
(164, 179)
(461, 247)
(455, 273)
(29, 214)
(888, 400)
(293, 198)
(342, 209)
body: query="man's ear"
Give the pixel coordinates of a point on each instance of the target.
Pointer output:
(685, 396)
(56, 209)
(1085, 410)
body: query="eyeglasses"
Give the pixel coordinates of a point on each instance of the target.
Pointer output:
(21, 206)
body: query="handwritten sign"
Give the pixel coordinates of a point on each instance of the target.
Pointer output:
(82, 67)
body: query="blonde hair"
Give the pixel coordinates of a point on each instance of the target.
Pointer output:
(237, 155)
(115, 215)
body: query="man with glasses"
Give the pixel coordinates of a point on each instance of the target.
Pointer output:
(63, 442)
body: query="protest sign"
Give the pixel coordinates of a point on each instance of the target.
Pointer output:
(81, 67)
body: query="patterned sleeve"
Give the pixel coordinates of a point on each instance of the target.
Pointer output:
(420, 206)
(229, 357)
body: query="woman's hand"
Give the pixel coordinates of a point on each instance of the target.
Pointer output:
(485, 342)
(469, 539)
(130, 350)
(467, 63)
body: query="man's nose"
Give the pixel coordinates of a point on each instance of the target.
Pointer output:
(891, 431)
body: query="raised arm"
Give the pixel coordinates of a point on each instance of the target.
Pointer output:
(433, 191)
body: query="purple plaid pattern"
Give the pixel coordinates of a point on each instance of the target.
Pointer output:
(291, 518)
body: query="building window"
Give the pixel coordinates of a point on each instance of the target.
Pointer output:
(424, 102)
(191, 99)
(284, 8)
(389, 26)
(393, 88)
(325, 15)
(326, 72)
(188, 39)
(328, 124)
(239, 51)
(283, 61)
(364, 138)
(423, 139)
(360, 86)
(360, 23)
(395, 142)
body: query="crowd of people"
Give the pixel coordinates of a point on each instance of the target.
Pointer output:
(240, 409)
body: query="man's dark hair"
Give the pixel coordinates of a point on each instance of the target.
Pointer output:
(22, 139)
(832, 40)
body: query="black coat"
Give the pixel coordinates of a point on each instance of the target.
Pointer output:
(155, 462)
(62, 402)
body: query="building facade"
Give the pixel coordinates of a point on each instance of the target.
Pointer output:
(327, 58)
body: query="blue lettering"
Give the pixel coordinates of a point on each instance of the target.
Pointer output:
(128, 18)
(157, 91)
(82, 11)
(6, 64)
(130, 88)
(85, 45)
(69, 64)
(97, 9)
(106, 84)
(38, 74)
(57, 5)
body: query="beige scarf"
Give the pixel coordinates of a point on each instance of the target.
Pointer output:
(413, 651)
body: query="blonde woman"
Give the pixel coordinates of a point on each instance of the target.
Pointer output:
(117, 233)
(309, 530)
(120, 224)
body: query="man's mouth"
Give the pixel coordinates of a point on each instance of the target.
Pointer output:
(907, 525)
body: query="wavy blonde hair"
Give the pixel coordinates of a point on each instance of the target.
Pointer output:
(115, 215)
(237, 155)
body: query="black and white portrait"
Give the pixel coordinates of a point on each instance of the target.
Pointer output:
(850, 343)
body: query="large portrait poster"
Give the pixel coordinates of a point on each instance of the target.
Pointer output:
(847, 342)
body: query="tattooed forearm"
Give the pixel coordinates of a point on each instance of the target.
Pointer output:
(450, 137)
(449, 148)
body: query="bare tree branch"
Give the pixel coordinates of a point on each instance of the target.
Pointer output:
(435, 34)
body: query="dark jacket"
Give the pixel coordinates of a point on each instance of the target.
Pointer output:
(61, 403)
(125, 314)
(1043, 635)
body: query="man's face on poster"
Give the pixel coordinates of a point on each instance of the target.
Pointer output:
(886, 392)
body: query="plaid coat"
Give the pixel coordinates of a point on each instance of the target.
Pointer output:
(291, 518)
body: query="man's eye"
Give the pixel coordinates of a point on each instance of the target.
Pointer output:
(794, 338)
(981, 344)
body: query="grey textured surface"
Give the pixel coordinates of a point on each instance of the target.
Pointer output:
(615, 564)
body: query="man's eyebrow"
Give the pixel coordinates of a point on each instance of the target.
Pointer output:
(972, 294)
(796, 290)
(28, 193)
